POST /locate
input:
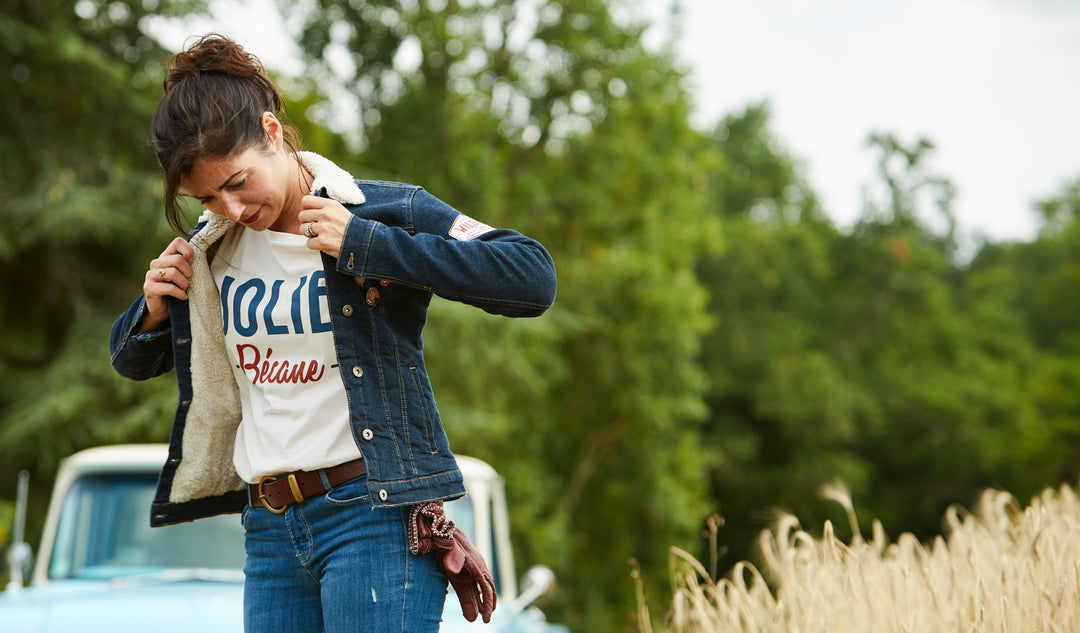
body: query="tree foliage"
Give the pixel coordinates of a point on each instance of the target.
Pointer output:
(872, 358)
(78, 200)
(565, 128)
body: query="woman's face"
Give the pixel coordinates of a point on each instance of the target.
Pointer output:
(255, 187)
(251, 187)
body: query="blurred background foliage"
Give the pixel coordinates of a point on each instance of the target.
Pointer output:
(718, 345)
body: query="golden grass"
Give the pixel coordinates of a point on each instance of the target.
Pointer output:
(1001, 569)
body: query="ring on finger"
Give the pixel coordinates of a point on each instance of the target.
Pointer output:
(161, 274)
(308, 231)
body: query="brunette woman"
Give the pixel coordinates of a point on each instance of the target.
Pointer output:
(292, 315)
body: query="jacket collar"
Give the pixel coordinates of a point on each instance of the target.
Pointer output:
(339, 184)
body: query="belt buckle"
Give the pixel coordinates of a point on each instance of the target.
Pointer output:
(294, 487)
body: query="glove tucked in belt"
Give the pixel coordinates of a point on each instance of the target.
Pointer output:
(460, 561)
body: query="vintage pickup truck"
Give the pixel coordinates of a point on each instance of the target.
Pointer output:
(101, 567)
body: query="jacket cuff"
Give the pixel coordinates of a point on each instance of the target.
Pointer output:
(355, 246)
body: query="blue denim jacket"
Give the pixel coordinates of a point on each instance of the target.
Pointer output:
(399, 249)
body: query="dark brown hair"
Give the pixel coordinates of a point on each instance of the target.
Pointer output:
(215, 95)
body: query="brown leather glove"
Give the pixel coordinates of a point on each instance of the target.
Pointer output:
(429, 529)
(461, 562)
(468, 573)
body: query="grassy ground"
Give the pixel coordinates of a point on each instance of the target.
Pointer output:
(1000, 569)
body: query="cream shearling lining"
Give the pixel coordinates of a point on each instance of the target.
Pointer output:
(214, 414)
(339, 183)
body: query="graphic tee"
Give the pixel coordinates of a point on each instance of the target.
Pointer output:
(276, 318)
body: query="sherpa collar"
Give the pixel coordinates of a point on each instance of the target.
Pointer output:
(214, 412)
(339, 183)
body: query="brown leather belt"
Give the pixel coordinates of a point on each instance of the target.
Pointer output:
(276, 492)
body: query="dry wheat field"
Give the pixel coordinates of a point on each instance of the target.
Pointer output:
(1001, 568)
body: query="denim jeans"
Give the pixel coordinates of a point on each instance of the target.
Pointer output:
(335, 564)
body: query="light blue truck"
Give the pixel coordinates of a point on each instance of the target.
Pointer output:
(101, 567)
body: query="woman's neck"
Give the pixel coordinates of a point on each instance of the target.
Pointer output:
(299, 186)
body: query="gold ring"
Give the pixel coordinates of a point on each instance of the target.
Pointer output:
(161, 274)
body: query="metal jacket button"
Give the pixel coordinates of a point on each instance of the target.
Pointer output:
(383, 495)
(367, 434)
(358, 371)
(347, 310)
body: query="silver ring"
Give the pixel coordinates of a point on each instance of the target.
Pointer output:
(308, 232)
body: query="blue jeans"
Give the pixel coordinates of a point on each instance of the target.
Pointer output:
(335, 564)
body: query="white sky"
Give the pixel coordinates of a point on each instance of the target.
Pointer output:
(993, 83)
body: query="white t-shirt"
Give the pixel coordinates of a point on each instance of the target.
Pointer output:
(278, 335)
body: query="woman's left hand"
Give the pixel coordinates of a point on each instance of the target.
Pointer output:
(326, 220)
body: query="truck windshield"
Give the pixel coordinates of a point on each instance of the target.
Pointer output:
(105, 532)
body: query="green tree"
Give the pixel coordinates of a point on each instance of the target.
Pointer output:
(1038, 282)
(758, 179)
(78, 190)
(566, 129)
(1060, 212)
(80, 200)
(868, 357)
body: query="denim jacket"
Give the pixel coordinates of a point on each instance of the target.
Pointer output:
(401, 246)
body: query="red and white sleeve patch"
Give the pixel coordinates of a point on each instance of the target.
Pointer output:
(466, 228)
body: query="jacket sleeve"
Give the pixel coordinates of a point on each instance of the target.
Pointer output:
(498, 270)
(139, 355)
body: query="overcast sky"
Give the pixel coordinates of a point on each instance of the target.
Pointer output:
(993, 83)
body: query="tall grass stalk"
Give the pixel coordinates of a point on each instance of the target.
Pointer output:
(1002, 569)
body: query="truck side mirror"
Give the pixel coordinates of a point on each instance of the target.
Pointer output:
(538, 580)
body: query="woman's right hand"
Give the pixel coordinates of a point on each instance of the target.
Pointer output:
(169, 275)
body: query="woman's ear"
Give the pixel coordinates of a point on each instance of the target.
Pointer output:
(275, 136)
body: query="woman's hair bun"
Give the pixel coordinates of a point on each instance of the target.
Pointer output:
(213, 53)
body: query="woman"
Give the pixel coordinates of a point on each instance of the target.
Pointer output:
(293, 319)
